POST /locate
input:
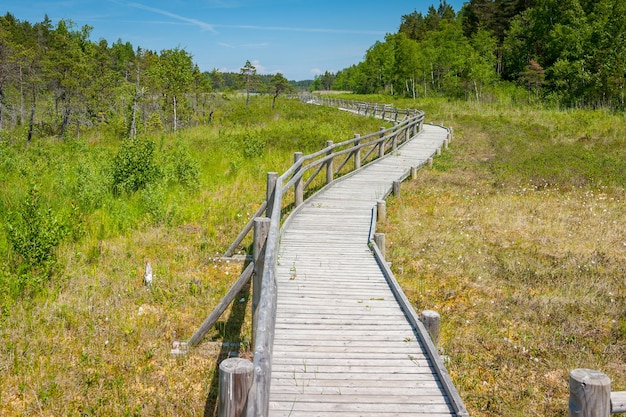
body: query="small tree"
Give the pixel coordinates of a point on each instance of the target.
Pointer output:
(278, 85)
(175, 73)
(534, 77)
(248, 77)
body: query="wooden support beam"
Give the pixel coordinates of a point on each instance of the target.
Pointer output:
(379, 240)
(297, 187)
(396, 188)
(590, 393)
(261, 230)
(357, 152)
(381, 211)
(618, 402)
(234, 384)
(431, 320)
(272, 177)
(329, 165)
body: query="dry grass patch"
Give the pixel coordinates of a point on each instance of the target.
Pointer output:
(530, 280)
(100, 345)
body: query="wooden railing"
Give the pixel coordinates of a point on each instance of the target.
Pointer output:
(285, 194)
(302, 177)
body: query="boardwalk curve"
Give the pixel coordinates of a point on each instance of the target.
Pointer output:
(343, 345)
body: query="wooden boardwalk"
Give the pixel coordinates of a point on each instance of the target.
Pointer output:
(343, 345)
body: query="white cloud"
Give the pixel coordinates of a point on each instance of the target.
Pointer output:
(195, 22)
(316, 71)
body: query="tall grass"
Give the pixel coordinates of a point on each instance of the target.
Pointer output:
(517, 237)
(87, 338)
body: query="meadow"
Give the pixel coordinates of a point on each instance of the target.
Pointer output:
(80, 334)
(516, 236)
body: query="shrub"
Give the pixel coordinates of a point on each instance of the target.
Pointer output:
(34, 232)
(253, 145)
(134, 166)
(92, 185)
(181, 167)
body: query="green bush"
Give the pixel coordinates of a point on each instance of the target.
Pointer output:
(92, 185)
(134, 166)
(253, 145)
(181, 167)
(34, 232)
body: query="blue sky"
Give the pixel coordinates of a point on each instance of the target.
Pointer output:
(299, 38)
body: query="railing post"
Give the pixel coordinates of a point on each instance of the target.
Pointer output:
(394, 140)
(381, 210)
(413, 173)
(272, 177)
(431, 320)
(396, 188)
(297, 187)
(357, 152)
(235, 381)
(261, 230)
(589, 394)
(381, 146)
(329, 164)
(379, 240)
(430, 162)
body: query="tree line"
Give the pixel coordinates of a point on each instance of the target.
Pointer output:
(54, 79)
(568, 52)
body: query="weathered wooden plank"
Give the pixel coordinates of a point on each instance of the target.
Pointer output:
(366, 361)
(373, 378)
(343, 398)
(342, 408)
(309, 413)
(338, 386)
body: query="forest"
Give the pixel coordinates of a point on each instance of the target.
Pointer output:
(55, 78)
(572, 53)
(568, 53)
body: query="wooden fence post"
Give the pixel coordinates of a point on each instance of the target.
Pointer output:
(589, 393)
(394, 140)
(357, 153)
(272, 178)
(379, 240)
(413, 173)
(329, 164)
(381, 210)
(298, 185)
(235, 381)
(261, 229)
(396, 188)
(430, 162)
(431, 320)
(381, 146)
